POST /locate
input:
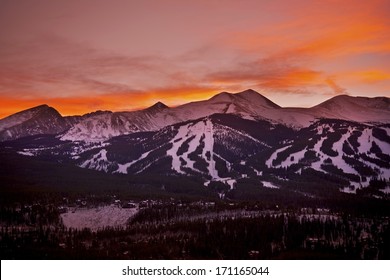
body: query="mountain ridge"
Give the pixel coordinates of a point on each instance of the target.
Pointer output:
(383, 99)
(248, 104)
(41, 119)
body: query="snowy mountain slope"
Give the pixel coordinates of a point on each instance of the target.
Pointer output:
(247, 104)
(193, 135)
(20, 117)
(349, 150)
(227, 148)
(359, 109)
(343, 107)
(99, 127)
(251, 105)
(209, 146)
(38, 120)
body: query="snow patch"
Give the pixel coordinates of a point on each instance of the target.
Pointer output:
(269, 185)
(365, 141)
(122, 168)
(348, 190)
(97, 218)
(231, 182)
(386, 190)
(293, 158)
(258, 173)
(25, 153)
(98, 161)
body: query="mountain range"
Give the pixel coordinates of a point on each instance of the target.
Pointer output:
(229, 139)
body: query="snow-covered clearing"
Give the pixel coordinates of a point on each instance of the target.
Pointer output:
(24, 153)
(269, 185)
(365, 141)
(97, 218)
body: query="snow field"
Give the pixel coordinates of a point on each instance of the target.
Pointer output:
(269, 185)
(97, 218)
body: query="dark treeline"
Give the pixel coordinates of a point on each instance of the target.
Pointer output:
(193, 232)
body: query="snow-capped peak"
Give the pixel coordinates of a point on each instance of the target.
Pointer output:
(157, 107)
(21, 116)
(253, 97)
(41, 119)
(360, 109)
(222, 97)
(256, 98)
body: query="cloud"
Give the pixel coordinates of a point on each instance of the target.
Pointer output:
(337, 90)
(371, 76)
(117, 101)
(67, 53)
(68, 68)
(313, 47)
(270, 74)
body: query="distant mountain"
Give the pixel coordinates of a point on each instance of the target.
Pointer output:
(38, 120)
(105, 125)
(359, 109)
(249, 104)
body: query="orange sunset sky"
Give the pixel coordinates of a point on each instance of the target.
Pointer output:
(84, 55)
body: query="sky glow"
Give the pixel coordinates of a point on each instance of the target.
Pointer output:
(84, 55)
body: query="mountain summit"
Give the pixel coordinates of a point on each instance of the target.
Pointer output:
(255, 97)
(157, 107)
(359, 109)
(41, 119)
